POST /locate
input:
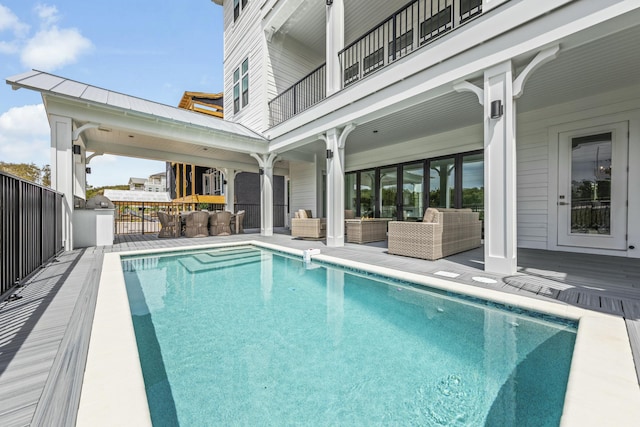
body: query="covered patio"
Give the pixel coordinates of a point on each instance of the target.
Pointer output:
(45, 334)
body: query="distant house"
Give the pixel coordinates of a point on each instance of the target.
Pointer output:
(155, 183)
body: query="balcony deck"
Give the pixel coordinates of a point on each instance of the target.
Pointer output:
(44, 335)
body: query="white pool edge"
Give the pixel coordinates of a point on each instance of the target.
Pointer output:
(602, 387)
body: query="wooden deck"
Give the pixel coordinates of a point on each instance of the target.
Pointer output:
(44, 335)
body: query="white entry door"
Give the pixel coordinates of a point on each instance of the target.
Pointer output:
(592, 187)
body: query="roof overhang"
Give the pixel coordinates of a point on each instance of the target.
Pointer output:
(120, 124)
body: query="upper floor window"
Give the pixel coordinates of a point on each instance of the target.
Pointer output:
(238, 5)
(238, 83)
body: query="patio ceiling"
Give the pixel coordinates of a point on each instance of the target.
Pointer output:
(581, 69)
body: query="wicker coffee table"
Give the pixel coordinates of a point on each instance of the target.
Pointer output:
(366, 230)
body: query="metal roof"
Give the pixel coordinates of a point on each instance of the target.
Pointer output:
(51, 84)
(137, 196)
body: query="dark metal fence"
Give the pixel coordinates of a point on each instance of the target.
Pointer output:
(142, 218)
(411, 27)
(30, 228)
(252, 214)
(305, 93)
(591, 217)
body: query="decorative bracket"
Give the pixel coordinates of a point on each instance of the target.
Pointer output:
(92, 156)
(541, 58)
(78, 132)
(465, 86)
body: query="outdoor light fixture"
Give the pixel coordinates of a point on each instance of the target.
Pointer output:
(88, 170)
(329, 2)
(496, 109)
(261, 171)
(329, 154)
(77, 149)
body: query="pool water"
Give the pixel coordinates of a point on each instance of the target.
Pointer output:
(245, 336)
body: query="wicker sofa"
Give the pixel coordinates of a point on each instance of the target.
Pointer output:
(305, 226)
(441, 233)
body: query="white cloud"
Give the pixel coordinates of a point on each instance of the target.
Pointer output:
(24, 135)
(9, 21)
(47, 14)
(50, 48)
(54, 48)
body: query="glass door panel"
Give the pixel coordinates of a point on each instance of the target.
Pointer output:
(367, 192)
(473, 182)
(412, 192)
(351, 192)
(442, 183)
(592, 187)
(388, 192)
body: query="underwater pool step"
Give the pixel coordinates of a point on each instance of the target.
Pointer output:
(208, 258)
(194, 266)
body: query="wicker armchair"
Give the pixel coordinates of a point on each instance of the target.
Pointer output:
(442, 232)
(219, 223)
(170, 225)
(196, 224)
(304, 226)
(237, 222)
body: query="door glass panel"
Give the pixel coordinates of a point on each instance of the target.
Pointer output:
(412, 192)
(367, 179)
(591, 184)
(473, 182)
(442, 183)
(350, 191)
(388, 192)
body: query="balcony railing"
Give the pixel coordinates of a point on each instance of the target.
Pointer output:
(30, 229)
(305, 93)
(411, 27)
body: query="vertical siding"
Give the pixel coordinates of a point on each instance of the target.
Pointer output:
(304, 186)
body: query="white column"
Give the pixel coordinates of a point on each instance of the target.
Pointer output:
(265, 161)
(230, 188)
(335, 141)
(335, 43)
(62, 170)
(500, 248)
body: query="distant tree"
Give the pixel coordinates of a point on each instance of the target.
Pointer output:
(28, 172)
(46, 175)
(91, 191)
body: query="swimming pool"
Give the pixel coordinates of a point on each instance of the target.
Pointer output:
(241, 335)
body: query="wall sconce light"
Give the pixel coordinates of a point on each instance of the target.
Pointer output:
(496, 109)
(329, 2)
(77, 149)
(261, 171)
(329, 154)
(88, 170)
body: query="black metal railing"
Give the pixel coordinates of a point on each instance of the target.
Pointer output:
(252, 214)
(591, 217)
(142, 218)
(411, 27)
(30, 229)
(303, 94)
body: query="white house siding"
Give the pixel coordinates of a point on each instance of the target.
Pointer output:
(244, 39)
(287, 62)
(304, 185)
(535, 174)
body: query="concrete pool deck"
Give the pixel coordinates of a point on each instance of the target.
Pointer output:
(73, 281)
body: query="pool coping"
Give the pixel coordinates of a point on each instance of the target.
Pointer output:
(602, 388)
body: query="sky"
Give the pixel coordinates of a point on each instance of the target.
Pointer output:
(151, 49)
